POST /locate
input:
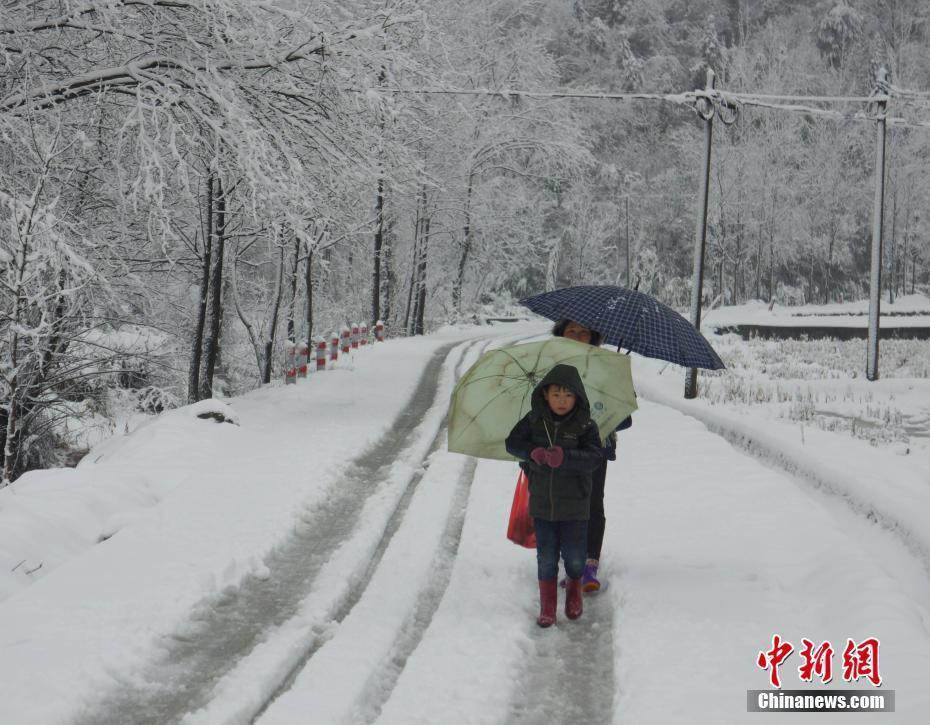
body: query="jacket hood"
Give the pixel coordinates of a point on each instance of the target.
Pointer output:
(566, 376)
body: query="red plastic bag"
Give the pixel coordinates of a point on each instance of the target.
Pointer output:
(520, 528)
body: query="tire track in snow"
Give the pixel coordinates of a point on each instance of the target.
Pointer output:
(411, 638)
(570, 678)
(379, 688)
(225, 628)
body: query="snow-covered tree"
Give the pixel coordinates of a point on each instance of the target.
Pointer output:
(839, 30)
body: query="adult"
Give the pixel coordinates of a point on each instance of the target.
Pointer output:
(597, 520)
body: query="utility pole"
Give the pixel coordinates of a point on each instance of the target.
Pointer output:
(878, 218)
(700, 234)
(628, 241)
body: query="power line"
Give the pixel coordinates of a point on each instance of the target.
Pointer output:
(686, 97)
(807, 99)
(905, 93)
(731, 100)
(679, 98)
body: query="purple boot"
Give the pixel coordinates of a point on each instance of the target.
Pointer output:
(589, 582)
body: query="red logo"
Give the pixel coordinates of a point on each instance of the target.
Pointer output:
(816, 662)
(774, 657)
(859, 660)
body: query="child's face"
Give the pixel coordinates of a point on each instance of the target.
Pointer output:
(561, 400)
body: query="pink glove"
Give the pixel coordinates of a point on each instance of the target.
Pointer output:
(539, 456)
(555, 456)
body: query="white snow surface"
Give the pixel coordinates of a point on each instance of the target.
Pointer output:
(906, 311)
(724, 527)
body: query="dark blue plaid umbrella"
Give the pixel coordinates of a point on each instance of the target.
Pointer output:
(629, 319)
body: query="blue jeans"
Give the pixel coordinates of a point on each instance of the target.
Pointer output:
(570, 538)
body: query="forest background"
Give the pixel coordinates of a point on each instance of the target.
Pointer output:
(186, 185)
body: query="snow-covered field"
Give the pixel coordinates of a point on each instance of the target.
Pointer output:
(323, 559)
(910, 310)
(820, 384)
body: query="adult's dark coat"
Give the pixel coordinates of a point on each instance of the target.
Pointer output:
(563, 493)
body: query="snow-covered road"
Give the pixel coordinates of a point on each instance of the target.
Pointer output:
(393, 596)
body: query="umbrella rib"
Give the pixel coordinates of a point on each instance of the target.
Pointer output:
(538, 358)
(523, 402)
(502, 376)
(508, 354)
(483, 408)
(514, 383)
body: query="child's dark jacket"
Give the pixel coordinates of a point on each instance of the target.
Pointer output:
(563, 493)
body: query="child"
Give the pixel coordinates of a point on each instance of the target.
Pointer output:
(558, 445)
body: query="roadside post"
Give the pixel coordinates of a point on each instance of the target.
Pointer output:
(303, 353)
(320, 354)
(290, 371)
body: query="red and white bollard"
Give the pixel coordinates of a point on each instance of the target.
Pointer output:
(320, 354)
(290, 371)
(363, 332)
(334, 347)
(303, 353)
(344, 339)
(355, 336)
(379, 331)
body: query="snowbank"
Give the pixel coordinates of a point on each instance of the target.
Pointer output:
(876, 482)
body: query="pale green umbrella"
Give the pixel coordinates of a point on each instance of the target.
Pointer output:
(495, 392)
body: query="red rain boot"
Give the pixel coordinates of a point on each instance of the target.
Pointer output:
(548, 601)
(573, 598)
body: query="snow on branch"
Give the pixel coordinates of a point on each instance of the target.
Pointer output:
(158, 69)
